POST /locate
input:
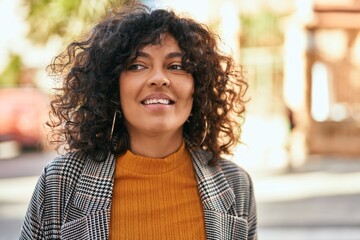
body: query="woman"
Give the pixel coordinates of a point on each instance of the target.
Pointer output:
(148, 105)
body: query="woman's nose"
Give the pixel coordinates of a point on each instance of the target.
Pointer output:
(158, 78)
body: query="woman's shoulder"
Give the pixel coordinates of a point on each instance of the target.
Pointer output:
(73, 164)
(235, 174)
(230, 169)
(240, 182)
(230, 166)
(67, 164)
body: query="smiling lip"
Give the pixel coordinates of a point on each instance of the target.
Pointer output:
(157, 99)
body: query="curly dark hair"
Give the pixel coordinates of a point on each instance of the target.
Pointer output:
(82, 111)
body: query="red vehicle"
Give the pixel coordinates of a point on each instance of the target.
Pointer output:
(23, 112)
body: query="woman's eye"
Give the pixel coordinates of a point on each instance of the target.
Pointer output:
(135, 67)
(176, 67)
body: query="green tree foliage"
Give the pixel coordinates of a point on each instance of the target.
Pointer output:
(64, 17)
(10, 76)
(261, 29)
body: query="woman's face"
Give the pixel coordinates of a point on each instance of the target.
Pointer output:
(156, 93)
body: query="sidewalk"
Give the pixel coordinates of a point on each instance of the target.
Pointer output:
(18, 177)
(319, 201)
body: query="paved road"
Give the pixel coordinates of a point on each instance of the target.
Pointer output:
(317, 202)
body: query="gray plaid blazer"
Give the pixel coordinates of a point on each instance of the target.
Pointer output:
(72, 199)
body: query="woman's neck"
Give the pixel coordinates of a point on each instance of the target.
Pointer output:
(155, 146)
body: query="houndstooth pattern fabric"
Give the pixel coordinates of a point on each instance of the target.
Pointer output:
(72, 199)
(226, 192)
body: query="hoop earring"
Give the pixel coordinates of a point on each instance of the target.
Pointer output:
(117, 111)
(205, 133)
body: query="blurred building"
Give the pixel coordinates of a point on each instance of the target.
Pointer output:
(302, 60)
(322, 76)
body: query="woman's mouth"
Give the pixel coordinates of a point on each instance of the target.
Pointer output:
(157, 101)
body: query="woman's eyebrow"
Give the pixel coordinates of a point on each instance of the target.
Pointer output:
(143, 54)
(174, 55)
(169, 55)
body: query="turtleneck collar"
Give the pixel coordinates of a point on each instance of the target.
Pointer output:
(151, 166)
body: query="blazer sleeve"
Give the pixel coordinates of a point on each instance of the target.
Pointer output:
(33, 224)
(252, 217)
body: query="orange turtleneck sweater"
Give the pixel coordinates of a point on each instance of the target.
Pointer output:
(156, 198)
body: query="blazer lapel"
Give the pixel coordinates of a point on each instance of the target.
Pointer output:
(218, 198)
(94, 190)
(214, 190)
(92, 201)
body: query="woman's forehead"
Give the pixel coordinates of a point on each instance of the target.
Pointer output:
(166, 43)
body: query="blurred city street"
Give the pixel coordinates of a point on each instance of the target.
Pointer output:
(301, 60)
(319, 201)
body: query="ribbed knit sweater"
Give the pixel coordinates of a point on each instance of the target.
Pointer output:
(156, 198)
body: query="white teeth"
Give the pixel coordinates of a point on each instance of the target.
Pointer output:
(157, 101)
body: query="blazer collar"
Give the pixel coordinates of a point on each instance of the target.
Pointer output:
(215, 191)
(94, 190)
